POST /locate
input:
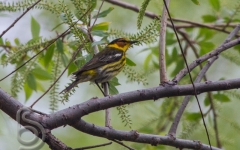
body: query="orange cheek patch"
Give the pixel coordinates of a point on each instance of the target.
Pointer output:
(121, 44)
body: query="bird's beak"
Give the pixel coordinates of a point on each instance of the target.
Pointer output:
(132, 42)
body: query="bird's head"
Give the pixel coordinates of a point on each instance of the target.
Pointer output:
(121, 43)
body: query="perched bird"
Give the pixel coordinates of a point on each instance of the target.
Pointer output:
(104, 65)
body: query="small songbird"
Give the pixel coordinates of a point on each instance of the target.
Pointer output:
(104, 65)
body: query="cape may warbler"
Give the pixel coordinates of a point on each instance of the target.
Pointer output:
(104, 65)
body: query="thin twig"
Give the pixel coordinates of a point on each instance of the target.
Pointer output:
(162, 46)
(51, 42)
(219, 145)
(231, 17)
(97, 15)
(226, 45)
(73, 58)
(178, 116)
(208, 111)
(207, 25)
(190, 43)
(5, 31)
(195, 24)
(153, 15)
(6, 47)
(121, 143)
(94, 146)
(186, 99)
(185, 60)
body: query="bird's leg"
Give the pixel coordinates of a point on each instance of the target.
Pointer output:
(105, 86)
(100, 89)
(107, 83)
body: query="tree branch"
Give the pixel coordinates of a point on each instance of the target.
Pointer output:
(134, 136)
(178, 116)
(162, 45)
(205, 57)
(153, 15)
(12, 25)
(72, 114)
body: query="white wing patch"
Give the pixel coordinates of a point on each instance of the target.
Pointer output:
(118, 55)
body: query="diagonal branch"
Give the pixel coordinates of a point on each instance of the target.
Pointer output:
(153, 15)
(134, 136)
(12, 25)
(178, 116)
(174, 125)
(205, 57)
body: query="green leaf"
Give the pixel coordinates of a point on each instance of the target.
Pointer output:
(33, 40)
(101, 26)
(205, 34)
(206, 101)
(35, 28)
(17, 42)
(63, 17)
(170, 39)
(8, 43)
(112, 89)
(221, 97)
(179, 65)
(171, 57)
(93, 5)
(142, 12)
(196, 2)
(64, 60)
(59, 46)
(209, 18)
(41, 74)
(104, 13)
(130, 62)
(115, 82)
(97, 43)
(99, 33)
(206, 47)
(49, 54)
(1, 41)
(40, 87)
(57, 26)
(193, 116)
(31, 81)
(28, 91)
(112, 86)
(215, 4)
(72, 67)
(237, 48)
(4, 57)
(147, 61)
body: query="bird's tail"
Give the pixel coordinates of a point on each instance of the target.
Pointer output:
(69, 87)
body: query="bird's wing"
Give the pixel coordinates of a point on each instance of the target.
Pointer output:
(102, 58)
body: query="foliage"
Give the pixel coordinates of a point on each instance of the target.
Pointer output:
(142, 12)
